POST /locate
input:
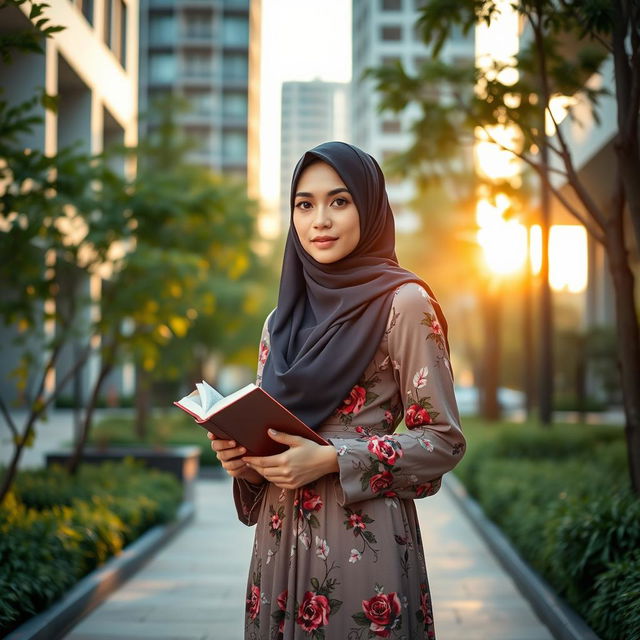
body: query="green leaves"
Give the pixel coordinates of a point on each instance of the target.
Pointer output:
(29, 40)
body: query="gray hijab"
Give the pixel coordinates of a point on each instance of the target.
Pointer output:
(331, 318)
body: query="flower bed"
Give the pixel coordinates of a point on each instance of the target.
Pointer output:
(562, 496)
(55, 528)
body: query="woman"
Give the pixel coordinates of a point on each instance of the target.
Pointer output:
(355, 344)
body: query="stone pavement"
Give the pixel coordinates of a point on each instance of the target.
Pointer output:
(194, 588)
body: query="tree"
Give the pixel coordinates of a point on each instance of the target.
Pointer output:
(189, 282)
(52, 238)
(566, 44)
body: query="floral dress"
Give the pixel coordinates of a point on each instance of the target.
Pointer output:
(341, 558)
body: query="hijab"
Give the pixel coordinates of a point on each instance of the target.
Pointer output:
(330, 318)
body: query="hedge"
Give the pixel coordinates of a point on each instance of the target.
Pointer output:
(165, 428)
(562, 496)
(55, 528)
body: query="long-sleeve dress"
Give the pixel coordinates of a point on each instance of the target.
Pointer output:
(342, 558)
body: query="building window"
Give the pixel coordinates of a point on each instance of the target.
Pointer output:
(418, 61)
(391, 126)
(235, 67)
(391, 5)
(122, 53)
(202, 137)
(391, 34)
(234, 106)
(115, 28)
(197, 64)
(390, 61)
(86, 8)
(162, 67)
(198, 24)
(108, 18)
(201, 102)
(162, 29)
(235, 31)
(234, 147)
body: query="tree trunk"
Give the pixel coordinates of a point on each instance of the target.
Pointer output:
(78, 450)
(10, 472)
(142, 402)
(545, 372)
(489, 405)
(628, 341)
(529, 356)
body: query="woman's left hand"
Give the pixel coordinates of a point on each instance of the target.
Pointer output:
(304, 461)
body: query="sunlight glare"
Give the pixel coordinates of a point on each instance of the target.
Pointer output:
(492, 161)
(568, 263)
(504, 242)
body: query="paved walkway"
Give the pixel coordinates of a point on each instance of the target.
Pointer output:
(194, 588)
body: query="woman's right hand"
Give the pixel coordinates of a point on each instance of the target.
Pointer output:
(226, 451)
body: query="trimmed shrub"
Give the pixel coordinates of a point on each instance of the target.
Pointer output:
(55, 528)
(562, 496)
(615, 608)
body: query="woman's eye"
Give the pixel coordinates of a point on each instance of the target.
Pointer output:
(340, 202)
(303, 205)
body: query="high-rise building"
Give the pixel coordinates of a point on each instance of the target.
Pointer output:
(312, 112)
(384, 32)
(92, 68)
(208, 52)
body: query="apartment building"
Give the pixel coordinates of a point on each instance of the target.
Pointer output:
(312, 112)
(384, 33)
(209, 52)
(92, 67)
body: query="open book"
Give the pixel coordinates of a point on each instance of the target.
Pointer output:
(244, 416)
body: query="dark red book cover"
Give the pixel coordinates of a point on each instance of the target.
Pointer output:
(247, 419)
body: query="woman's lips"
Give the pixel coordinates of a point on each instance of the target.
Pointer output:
(325, 244)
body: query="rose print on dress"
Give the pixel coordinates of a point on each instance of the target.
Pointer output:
(317, 606)
(279, 615)
(430, 320)
(353, 403)
(275, 522)
(425, 614)
(360, 396)
(306, 504)
(384, 453)
(264, 352)
(386, 448)
(276, 519)
(381, 614)
(420, 410)
(357, 522)
(253, 599)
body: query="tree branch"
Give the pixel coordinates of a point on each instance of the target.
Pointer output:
(593, 227)
(572, 176)
(8, 418)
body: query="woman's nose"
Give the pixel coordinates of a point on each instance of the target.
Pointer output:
(322, 219)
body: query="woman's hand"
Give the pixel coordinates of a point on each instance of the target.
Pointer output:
(304, 461)
(226, 450)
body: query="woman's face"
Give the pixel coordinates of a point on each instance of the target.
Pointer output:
(324, 214)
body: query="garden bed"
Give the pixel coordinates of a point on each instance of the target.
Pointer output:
(562, 497)
(54, 529)
(165, 428)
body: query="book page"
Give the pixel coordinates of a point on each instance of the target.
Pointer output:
(230, 399)
(208, 396)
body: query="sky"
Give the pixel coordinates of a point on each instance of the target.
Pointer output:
(301, 40)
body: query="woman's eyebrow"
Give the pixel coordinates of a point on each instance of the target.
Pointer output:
(333, 192)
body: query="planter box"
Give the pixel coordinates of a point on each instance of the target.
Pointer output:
(182, 462)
